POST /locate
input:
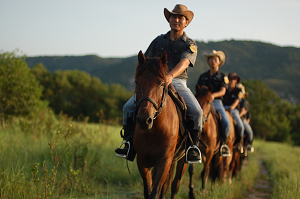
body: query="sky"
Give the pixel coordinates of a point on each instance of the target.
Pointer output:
(119, 28)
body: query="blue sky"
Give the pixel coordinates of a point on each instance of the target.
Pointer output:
(121, 28)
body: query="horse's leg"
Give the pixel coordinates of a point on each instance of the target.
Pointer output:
(147, 181)
(191, 185)
(180, 169)
(206, 170)
(231, 168)
(146, 176)
(167, 182)
(162, 173)
(237, 165)
(225, 168)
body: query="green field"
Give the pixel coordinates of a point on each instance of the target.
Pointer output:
(76, 160)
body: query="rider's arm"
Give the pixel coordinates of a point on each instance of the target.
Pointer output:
(220, 93)
(179, 68)
(243, 112)
(234, 104)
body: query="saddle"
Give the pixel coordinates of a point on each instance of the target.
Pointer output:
(185, 123)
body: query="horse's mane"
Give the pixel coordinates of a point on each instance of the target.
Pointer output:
(155, 67)
(202, 92)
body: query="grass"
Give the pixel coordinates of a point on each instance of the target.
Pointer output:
(76, 160)
(282, 161)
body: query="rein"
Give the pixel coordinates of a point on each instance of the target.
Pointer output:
(158, 109)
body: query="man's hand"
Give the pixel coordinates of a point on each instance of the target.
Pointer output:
(169, 79)
(212, 97)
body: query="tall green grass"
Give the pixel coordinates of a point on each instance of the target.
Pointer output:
(283, 163)
(77, 160)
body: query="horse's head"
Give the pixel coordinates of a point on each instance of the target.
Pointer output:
(203, 95)
(151, 92)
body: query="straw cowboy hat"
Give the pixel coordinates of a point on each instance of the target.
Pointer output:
(234, 76)
(179, 10)
(219, 54)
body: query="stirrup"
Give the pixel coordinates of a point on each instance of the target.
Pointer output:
(122, 155)
(250, 148)
(221, 153)
(195, 161)
(240, 148)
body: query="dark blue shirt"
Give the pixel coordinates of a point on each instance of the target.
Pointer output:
(176, 50)
(218, 80)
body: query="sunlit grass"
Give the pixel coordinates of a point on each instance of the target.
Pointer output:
(282, 161)
(98, 173)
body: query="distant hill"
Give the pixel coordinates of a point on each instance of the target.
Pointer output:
(279, 67)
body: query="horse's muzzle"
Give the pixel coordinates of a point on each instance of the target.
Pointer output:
(145, 121)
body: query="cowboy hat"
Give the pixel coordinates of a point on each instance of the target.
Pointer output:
(179, 10)
(234, 76)
(219, 54)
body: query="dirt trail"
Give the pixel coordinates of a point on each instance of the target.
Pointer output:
(262, 186)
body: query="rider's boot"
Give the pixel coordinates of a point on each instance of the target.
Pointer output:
(224, 150)
(239, 145)
(193, 154)
(250, 148)
(126, 150)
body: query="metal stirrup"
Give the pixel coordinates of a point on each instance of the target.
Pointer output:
(192, 162)
(224, 146)
(122, 155)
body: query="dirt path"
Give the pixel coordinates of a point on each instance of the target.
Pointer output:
(262, 186)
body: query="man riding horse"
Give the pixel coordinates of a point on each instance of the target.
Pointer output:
(219, 81)
(181, 53)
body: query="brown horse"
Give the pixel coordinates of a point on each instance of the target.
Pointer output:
(231, 139)
(156, 133)
(237, 160)
(210, 137)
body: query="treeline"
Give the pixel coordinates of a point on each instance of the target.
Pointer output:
(272, 119)
(24, 91)
(81, 96)
(72, 93)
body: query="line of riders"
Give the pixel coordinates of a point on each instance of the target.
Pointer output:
(227, 91)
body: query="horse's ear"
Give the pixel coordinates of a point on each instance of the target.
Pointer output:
(141, 58)
(197, 88)
(163, 58)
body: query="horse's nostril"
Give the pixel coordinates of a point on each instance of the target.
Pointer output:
(149, 121)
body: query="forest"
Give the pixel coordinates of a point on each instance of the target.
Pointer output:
(276, 66)
(31, 91)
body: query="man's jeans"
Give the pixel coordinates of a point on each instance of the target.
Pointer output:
(194, 110)
(225, 121)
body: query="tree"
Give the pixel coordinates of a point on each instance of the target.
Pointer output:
(269, 120)
(20, 92)
(81, 96)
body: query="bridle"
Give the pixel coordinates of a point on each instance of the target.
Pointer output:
(158, 108)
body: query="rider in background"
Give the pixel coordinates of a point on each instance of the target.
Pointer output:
(246, 116)
(219, 82)
(181, 53)
(231, 100)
